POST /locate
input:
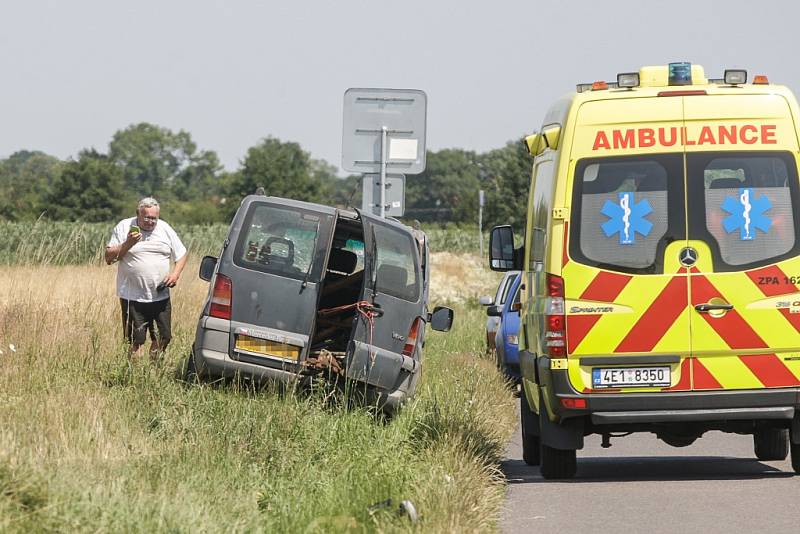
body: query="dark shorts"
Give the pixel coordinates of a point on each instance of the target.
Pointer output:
(138, 318)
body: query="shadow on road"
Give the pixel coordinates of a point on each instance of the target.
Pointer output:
(638, 468)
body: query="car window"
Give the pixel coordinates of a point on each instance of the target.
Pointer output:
(395, 262)
(747, 207)
(282, 241)
(508, 281)
(625, 209)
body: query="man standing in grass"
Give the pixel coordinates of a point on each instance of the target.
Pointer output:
(143, 246)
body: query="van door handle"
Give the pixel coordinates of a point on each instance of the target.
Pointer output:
(705, 308)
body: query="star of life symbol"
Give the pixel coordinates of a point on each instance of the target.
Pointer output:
(627, 218)
(747, 214)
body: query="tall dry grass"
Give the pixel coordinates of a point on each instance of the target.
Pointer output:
(91, 441)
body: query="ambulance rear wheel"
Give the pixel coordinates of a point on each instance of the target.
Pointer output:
(771, 444)
(557, 463)
(530, 439)
(796, 457)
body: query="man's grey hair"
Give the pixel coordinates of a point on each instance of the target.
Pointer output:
(148, 202)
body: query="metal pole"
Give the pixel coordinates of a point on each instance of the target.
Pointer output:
(480, 219)
(383, 171)
(480, 227)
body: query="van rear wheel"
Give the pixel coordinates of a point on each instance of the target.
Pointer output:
(557, 463)
(771, 444)
(190, 373)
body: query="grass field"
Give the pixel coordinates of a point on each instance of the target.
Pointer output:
(93, 442)
(66, 243)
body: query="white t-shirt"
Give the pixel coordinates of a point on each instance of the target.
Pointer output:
(146, 264)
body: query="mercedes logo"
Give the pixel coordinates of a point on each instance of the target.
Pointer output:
(688, 257)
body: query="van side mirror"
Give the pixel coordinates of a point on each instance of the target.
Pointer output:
(494, 311)
(486, 300)
(441, 319)
(207, 266)
(502, 255)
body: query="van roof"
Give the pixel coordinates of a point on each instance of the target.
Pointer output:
(661, 80)
(654, 81)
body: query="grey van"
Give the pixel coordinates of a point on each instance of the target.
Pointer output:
(301, 289)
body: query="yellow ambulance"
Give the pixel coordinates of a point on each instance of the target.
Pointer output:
(661, 265)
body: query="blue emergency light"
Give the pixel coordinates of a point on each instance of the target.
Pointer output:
(680, 73)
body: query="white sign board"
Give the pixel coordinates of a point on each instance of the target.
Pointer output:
(367, 113)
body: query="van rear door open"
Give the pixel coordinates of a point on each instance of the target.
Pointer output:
(393, 286)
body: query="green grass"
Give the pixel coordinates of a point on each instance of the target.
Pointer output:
(92, 442)
(67, 243)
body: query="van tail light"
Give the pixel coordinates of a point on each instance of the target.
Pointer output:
(411, 339)
(221, 297)
(555, 334)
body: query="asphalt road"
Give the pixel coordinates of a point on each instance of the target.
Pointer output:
(641, 484)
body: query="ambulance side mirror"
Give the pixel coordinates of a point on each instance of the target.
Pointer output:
(502, 254)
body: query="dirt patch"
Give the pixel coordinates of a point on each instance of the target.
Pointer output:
(458, 278)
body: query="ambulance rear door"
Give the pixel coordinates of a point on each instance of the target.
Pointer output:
(627, 312)
(744, 229)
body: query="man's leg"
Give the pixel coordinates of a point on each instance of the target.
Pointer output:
(163, 322)
(134, 325)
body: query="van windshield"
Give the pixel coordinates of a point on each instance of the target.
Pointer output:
(283, 241)
(625, 211)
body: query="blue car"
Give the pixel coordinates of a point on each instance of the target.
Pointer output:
(507, 337)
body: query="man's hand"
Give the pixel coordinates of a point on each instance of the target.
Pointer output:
(171, 279)
(116, 253)
(132, 239)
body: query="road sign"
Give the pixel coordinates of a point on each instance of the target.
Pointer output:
(394, 196)
(377, 117)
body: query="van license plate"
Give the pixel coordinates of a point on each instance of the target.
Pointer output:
(265, 347)
(618, 377)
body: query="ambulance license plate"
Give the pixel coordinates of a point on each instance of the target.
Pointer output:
(622, 377)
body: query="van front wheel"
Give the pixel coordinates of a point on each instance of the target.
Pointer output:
(557, 463)
(771, 444)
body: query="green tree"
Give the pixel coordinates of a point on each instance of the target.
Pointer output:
(89, 190)
(506, 174)
(448, 189)
(26, 178)
(283, 169)
(158, 162)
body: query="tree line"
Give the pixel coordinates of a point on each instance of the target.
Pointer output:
(148, 160)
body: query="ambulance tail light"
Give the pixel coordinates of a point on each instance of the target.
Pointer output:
(411, 339)
(760, 79)
(555, 317)
(221, 297)
(573, 403)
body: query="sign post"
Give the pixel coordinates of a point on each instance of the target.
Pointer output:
(480, 219)
(383, 131)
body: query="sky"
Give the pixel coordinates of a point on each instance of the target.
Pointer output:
(231, 72)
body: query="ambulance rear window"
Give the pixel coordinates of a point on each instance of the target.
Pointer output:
(621, 211)
(747, 208)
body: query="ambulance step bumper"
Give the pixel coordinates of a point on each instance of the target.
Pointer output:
(667, 416)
